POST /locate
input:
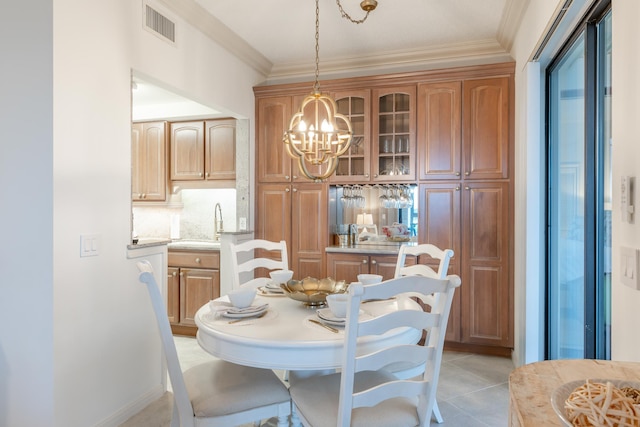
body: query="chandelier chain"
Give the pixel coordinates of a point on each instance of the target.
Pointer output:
(347, 16)
(316, 85)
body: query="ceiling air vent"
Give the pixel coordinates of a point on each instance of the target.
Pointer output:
(159, 24)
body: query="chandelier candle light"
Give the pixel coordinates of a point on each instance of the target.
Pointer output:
(318, 135)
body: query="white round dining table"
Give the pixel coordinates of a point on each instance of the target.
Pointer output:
(285, 338)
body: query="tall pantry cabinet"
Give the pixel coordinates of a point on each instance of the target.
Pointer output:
(464, 156)
(288, 207)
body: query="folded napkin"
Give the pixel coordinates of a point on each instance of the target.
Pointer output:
(226, 307)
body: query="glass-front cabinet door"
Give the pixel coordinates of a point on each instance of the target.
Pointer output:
(393, 134)
(355, 165)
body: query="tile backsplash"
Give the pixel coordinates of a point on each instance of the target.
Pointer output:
(192, 210)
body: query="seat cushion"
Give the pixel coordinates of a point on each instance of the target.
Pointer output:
(317, 401)
(221, 388)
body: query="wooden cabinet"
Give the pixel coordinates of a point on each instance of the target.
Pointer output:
(383, 145)
(298, 214)
(394, 113)
(273, 114)
(355, 165)
(148, 161)
(347, 266)
(486, 254)
(193, 280)
(203, 150)
(448, 131)
(464, 129)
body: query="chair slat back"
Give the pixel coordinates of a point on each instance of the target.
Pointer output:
(444, 257)
(434, 322)
(254, 263)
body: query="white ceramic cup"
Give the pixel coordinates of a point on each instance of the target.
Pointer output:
(338, 304)
(242, 297)
(369, 279)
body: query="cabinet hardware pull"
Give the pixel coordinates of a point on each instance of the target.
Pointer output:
(375, 175)
(197, 260)
(467, 173)
(458, 188)
(286, 189)
(207, 174)
(366, 175)
(200, 174)
(466, 188)
(286, 177)
(295, 190)
(295, 176)
(174, 274)
(457, 173)
(364, 261)
(181, 274)
(374, 262)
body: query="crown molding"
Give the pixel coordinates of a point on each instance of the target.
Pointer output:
(510, 22)
(216, 30)
(476, 52)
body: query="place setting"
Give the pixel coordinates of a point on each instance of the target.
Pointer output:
(240, 309)
(273, 288)
(334, 317)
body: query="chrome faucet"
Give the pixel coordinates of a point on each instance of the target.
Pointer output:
(218, 226)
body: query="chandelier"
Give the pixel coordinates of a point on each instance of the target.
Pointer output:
(318, 135)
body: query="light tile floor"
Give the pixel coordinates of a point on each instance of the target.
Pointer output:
(473, 389)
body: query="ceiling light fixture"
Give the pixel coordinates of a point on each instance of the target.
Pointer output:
(318, 135)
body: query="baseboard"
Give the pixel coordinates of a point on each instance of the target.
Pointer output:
(132, 408)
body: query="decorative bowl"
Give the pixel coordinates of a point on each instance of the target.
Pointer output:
(313, 292)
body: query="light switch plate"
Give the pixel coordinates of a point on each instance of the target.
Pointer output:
(89, 245)
(242, 223)
(629, 267)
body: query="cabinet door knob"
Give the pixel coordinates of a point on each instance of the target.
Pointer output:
(466, 188)
(366, 175)
(457, 173)
(181, 274)
(466, 173)
(295, 190)
(458, 188)
(286, 189)
(374, 262)
(375, 175)
(207, 174)
(144, 196)
(364, 261)
(197, 260)
(200, 174)
(174, 274)
(286, 177)
(295, 176)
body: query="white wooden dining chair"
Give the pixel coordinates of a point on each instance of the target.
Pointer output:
(444, 256)
(365, 393)
(240, 268)
(215, 393)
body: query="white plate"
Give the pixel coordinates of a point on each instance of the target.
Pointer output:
(265, 291)
(327, 315)
(274, 286)
(245, 312)
(561, 394)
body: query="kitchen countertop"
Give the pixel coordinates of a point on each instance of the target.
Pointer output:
(148, 242)
(380, 248)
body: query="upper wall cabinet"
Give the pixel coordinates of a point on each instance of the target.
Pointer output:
(203, 150)
(463, 129)
(383, 144)
(148, 161)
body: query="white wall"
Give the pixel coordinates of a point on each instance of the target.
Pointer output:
(626, 161)
(77, 340)
(26, 199)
